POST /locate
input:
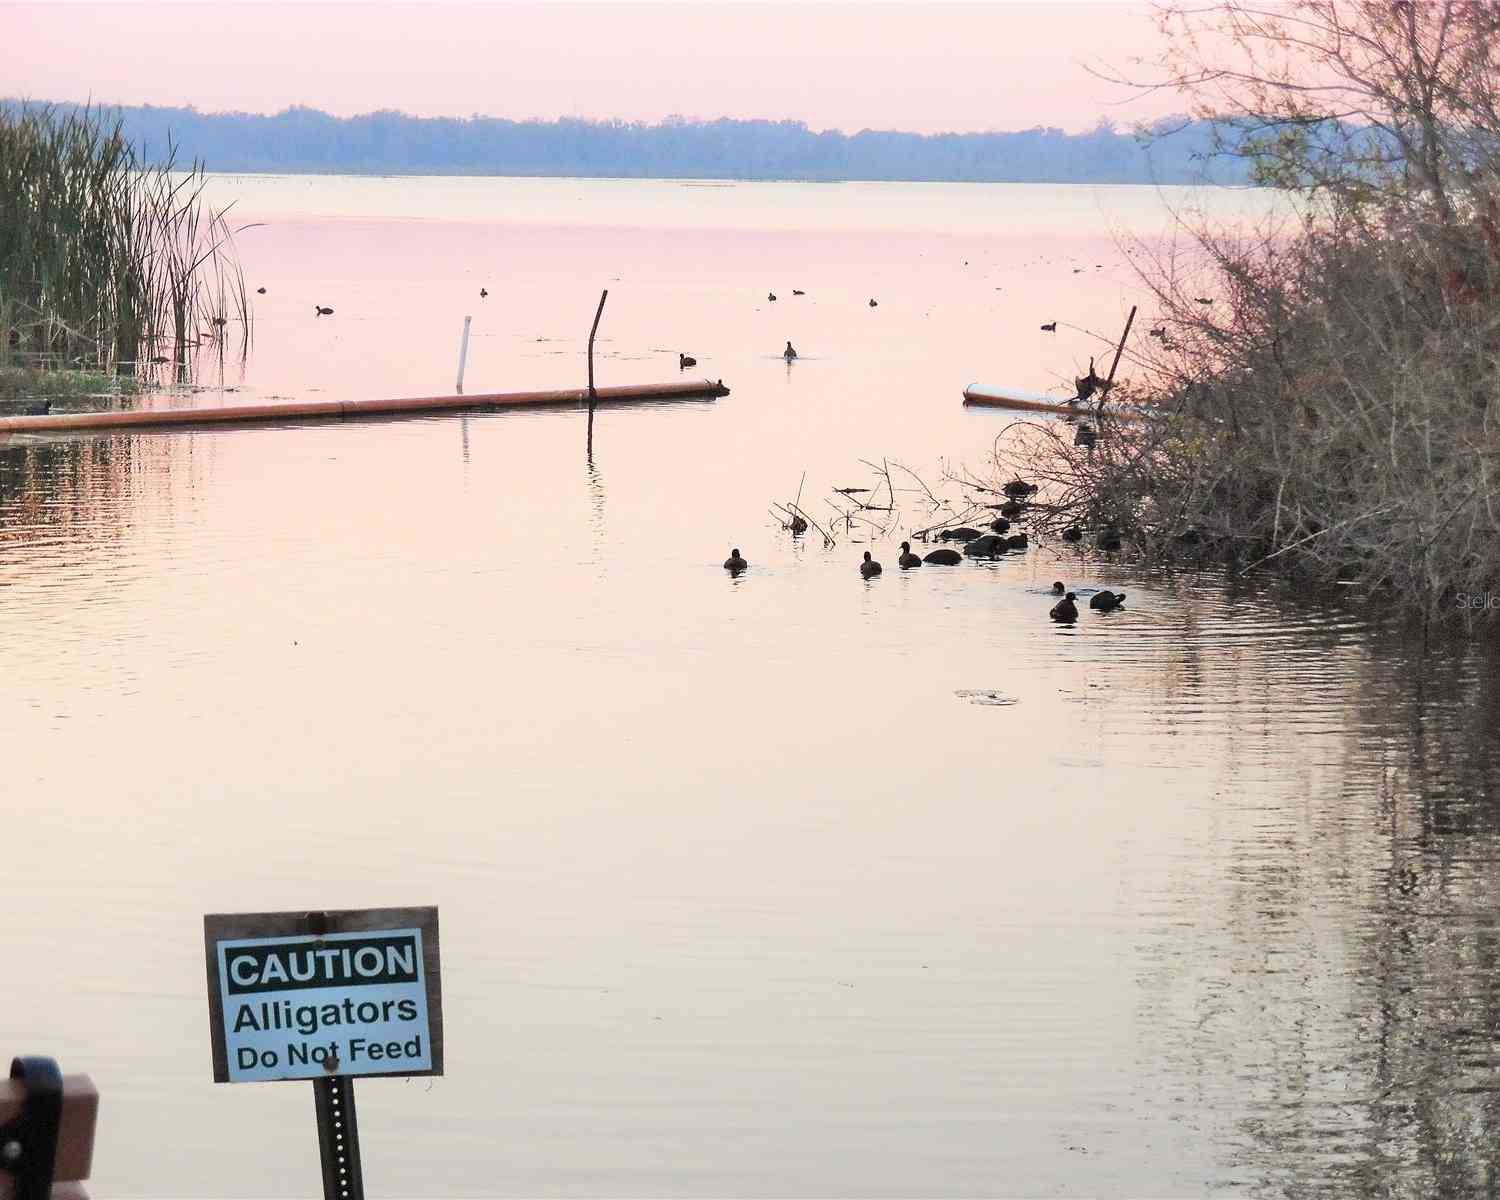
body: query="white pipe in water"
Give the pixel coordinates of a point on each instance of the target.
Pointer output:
(463, 355)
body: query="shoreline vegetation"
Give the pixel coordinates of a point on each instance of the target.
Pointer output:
(110, 268)
(1321, 396)
(302, 140)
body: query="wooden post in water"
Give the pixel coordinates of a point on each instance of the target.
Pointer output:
(463, 356)
(1119, 350)
(593, 396)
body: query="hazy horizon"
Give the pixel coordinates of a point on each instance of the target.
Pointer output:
(942, 68)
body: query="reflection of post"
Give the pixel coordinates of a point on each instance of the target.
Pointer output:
(593, 396)
(338, 1127)
(463, 355)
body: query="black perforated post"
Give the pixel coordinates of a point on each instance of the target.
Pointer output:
(28, 1145)
(338, 1127)
(338, 1138)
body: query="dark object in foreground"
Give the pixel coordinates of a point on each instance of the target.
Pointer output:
(47, 1123)
(735, 562)
(1107, 601)
(944, 557)
(1065, 610)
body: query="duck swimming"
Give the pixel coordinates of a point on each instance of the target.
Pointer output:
(321, 311)
(1072, 534)
(944, 558)
(734, 562)
(962, 534)
(908, 560)
(1058, 589)
(1107, 601)
(869, 568)
(789, 354)
(1109, 540)
(1019, 489)
(685, 361)
(1065, 610)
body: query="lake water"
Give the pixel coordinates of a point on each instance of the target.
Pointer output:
(783, 885)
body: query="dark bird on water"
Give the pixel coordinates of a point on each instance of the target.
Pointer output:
(1016, 541)
(1058, 589)
(988, 545)
(260, 291)
(798, 292)
(685, 361)
(1107, 601)
(1072, 534)
(908, 560)
(1065, 610)
(483, 292)
(962, 534)
(734, 562)
(1088, 384)
(1159, 332)
(1012, 508)
(789, 354)
(869, 568)
(1109, 540)
(799, 523)
(1000, 525)
(770, 295)
(1202, 300)
(1018, 489)
(873, 304)
(944, 557)
(1050, 327)
(321, 311)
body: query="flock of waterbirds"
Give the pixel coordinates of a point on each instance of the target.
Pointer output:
(980, 545)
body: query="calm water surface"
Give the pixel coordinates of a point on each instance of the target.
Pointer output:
(784, 885)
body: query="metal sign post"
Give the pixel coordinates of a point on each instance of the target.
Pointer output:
(326, 996)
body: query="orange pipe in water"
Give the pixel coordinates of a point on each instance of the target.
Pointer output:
(699, 389)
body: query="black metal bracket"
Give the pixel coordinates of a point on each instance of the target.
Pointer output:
(28, 1144)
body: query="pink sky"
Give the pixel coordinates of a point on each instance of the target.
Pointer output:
(931, 67)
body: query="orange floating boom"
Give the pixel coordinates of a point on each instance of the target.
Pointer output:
(701, 389)
(983, 396)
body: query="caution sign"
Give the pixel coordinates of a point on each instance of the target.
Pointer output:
(303, 995)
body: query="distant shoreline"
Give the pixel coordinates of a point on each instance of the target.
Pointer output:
(304, 141)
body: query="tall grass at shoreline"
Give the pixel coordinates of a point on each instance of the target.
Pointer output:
(105, 263)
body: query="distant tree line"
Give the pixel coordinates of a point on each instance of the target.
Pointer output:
(308, 141)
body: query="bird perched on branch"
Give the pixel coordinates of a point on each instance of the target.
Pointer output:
(1088, 384)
